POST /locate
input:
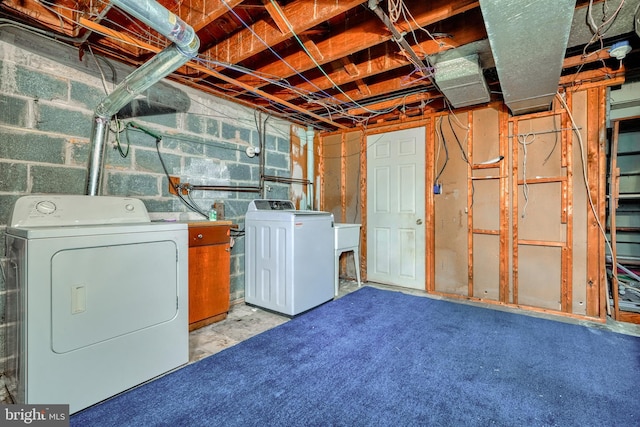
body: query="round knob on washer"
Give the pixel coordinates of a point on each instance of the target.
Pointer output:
(46, 207)
(129, 207)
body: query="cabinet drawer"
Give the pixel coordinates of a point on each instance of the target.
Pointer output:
(209, 235)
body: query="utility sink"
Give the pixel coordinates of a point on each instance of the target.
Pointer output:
(346, 236)
(346, 239)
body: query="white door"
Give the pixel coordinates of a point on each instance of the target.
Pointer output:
(396, 208)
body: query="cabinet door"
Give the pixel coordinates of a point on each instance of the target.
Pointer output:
(208, 277)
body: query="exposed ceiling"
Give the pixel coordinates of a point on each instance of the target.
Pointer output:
(339, 64)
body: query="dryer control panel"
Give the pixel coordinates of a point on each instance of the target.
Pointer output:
(47, 210)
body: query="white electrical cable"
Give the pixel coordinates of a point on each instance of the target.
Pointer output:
(586, 183)
(523, 139)
(584, 170)
(395, 9)
(599, 30)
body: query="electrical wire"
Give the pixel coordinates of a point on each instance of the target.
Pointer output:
(119, 129)
(324, 100)
(193, 203)
(406, 12)
(178, 192)
(464, 154)
(280, 58)
(599, 30)
(524, 141)
(586, 184)
(395, 8)
(584, 170)
(589, 196)
(318, 66)
(154, 39)
(442, 139)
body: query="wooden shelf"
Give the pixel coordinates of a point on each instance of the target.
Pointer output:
(622, 310)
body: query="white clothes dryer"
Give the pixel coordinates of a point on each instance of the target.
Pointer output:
(97, 298)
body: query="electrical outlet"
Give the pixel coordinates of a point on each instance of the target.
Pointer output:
(173, 182)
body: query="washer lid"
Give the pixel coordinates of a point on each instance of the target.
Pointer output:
(47, 210)
(271, 205)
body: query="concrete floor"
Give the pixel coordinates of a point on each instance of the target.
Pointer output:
(242, 322)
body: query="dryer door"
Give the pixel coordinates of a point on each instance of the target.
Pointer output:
(101, 293)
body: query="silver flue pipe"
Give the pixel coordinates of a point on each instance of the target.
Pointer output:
(185, 47)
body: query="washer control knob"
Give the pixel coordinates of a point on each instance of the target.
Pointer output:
(129, 207)
(46, 207)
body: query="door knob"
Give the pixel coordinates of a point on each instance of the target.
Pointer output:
(200, 236)
(419, 221)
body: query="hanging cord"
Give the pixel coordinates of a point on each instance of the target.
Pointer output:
(158, 139)
(194, 205)
(395, 9)
(584, 171)
(464, 154)
(442, 139)
(446, 150)
(119, 128)
(524, 140)
(589, 197)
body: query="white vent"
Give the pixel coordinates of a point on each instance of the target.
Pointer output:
(461, 81)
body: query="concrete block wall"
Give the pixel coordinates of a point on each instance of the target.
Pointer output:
(46, 111)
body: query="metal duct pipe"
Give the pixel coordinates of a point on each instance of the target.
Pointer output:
(528, 40)
(185, 46)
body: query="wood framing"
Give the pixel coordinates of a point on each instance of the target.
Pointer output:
(513, 244)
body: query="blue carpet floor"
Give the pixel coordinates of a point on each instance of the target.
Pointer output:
(383, 358)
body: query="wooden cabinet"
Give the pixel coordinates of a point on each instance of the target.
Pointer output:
(209, 257)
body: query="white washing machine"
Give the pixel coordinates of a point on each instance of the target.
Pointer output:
(289, 265)
(97, 298)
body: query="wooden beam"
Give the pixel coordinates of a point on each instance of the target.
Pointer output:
(61, 20)
(363, 88)
(389, 59)
(355, 38)
(505, 197)
(200, 13)
(302, 15)
(312, 49)
(349, 67)
(577, 60)
(469, 207)
(601, 74)
(396, 102)
(111, 33)
(566, 290)
(384, 88)
(278, 16)
(430, 220)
